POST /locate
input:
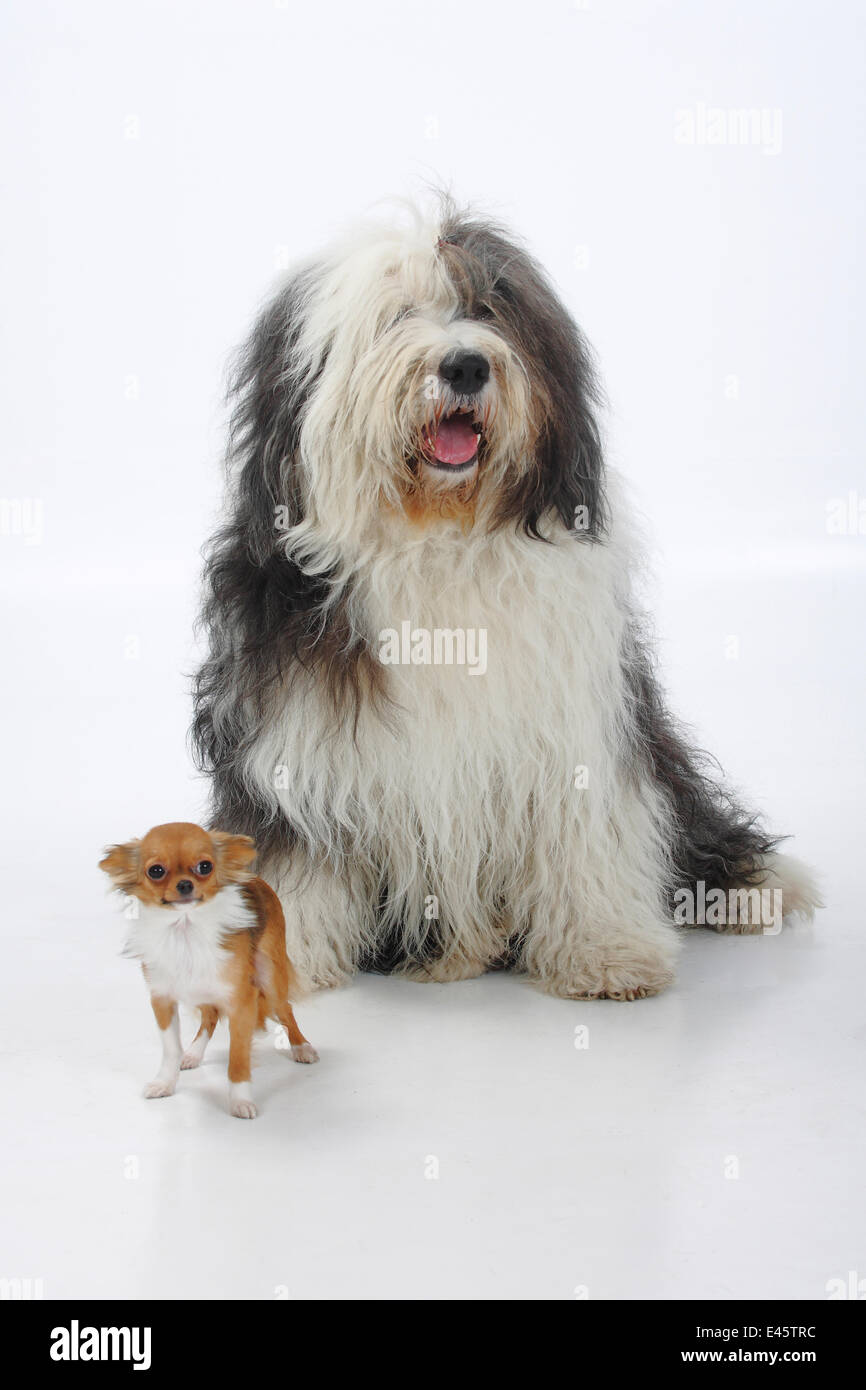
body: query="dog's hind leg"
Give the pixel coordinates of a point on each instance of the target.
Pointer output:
(728, 874)
(780, 888)
(196, 1050)
(302, 1051)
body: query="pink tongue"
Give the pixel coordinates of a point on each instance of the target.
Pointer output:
(455, 441)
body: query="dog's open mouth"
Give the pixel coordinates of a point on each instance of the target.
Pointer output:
(451, 444)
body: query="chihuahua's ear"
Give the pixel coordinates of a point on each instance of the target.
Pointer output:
(234, 853)
(122, 863)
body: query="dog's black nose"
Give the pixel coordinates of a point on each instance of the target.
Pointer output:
(184, 885)
(466, 372)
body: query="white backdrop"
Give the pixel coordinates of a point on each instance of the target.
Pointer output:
(162, 161)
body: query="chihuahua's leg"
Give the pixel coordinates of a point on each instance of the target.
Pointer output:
(242, 1022)
(302, 1051)
(196, 1050)
(165, 1012)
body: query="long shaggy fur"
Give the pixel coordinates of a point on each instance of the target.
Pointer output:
(413, 817)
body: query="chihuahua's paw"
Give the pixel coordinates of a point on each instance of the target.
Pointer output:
(241, 1102)
(189, 1060)
(154, 1089)
(304, 1052)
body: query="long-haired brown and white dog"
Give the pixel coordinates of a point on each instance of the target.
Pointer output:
(428, 696)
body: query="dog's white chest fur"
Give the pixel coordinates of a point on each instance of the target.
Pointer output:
(463, 798)
(183, 948)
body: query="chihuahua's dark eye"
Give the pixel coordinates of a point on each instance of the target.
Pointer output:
(156, 871)
(203, 868)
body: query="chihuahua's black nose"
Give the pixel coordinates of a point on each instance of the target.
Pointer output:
(184, 885)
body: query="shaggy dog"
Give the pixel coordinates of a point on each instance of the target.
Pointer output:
(429, 696)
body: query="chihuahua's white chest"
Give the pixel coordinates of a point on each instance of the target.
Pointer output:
(184, 949)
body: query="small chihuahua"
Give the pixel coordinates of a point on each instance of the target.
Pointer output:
(212, 936)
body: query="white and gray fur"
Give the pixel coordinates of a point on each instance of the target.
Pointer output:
(410, 817)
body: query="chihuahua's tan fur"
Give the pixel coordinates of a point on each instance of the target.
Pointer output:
(210, 935)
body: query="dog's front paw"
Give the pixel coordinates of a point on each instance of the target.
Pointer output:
(155, 1089)
(610, 991)
(327, 978)
(304, 1052)
(623, 977)
(446, 970)
(189, 1060)
(241, 1102)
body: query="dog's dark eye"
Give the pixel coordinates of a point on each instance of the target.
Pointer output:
(203, 868)
(156, 871)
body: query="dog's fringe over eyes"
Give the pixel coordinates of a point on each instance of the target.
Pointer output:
(410, 816)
